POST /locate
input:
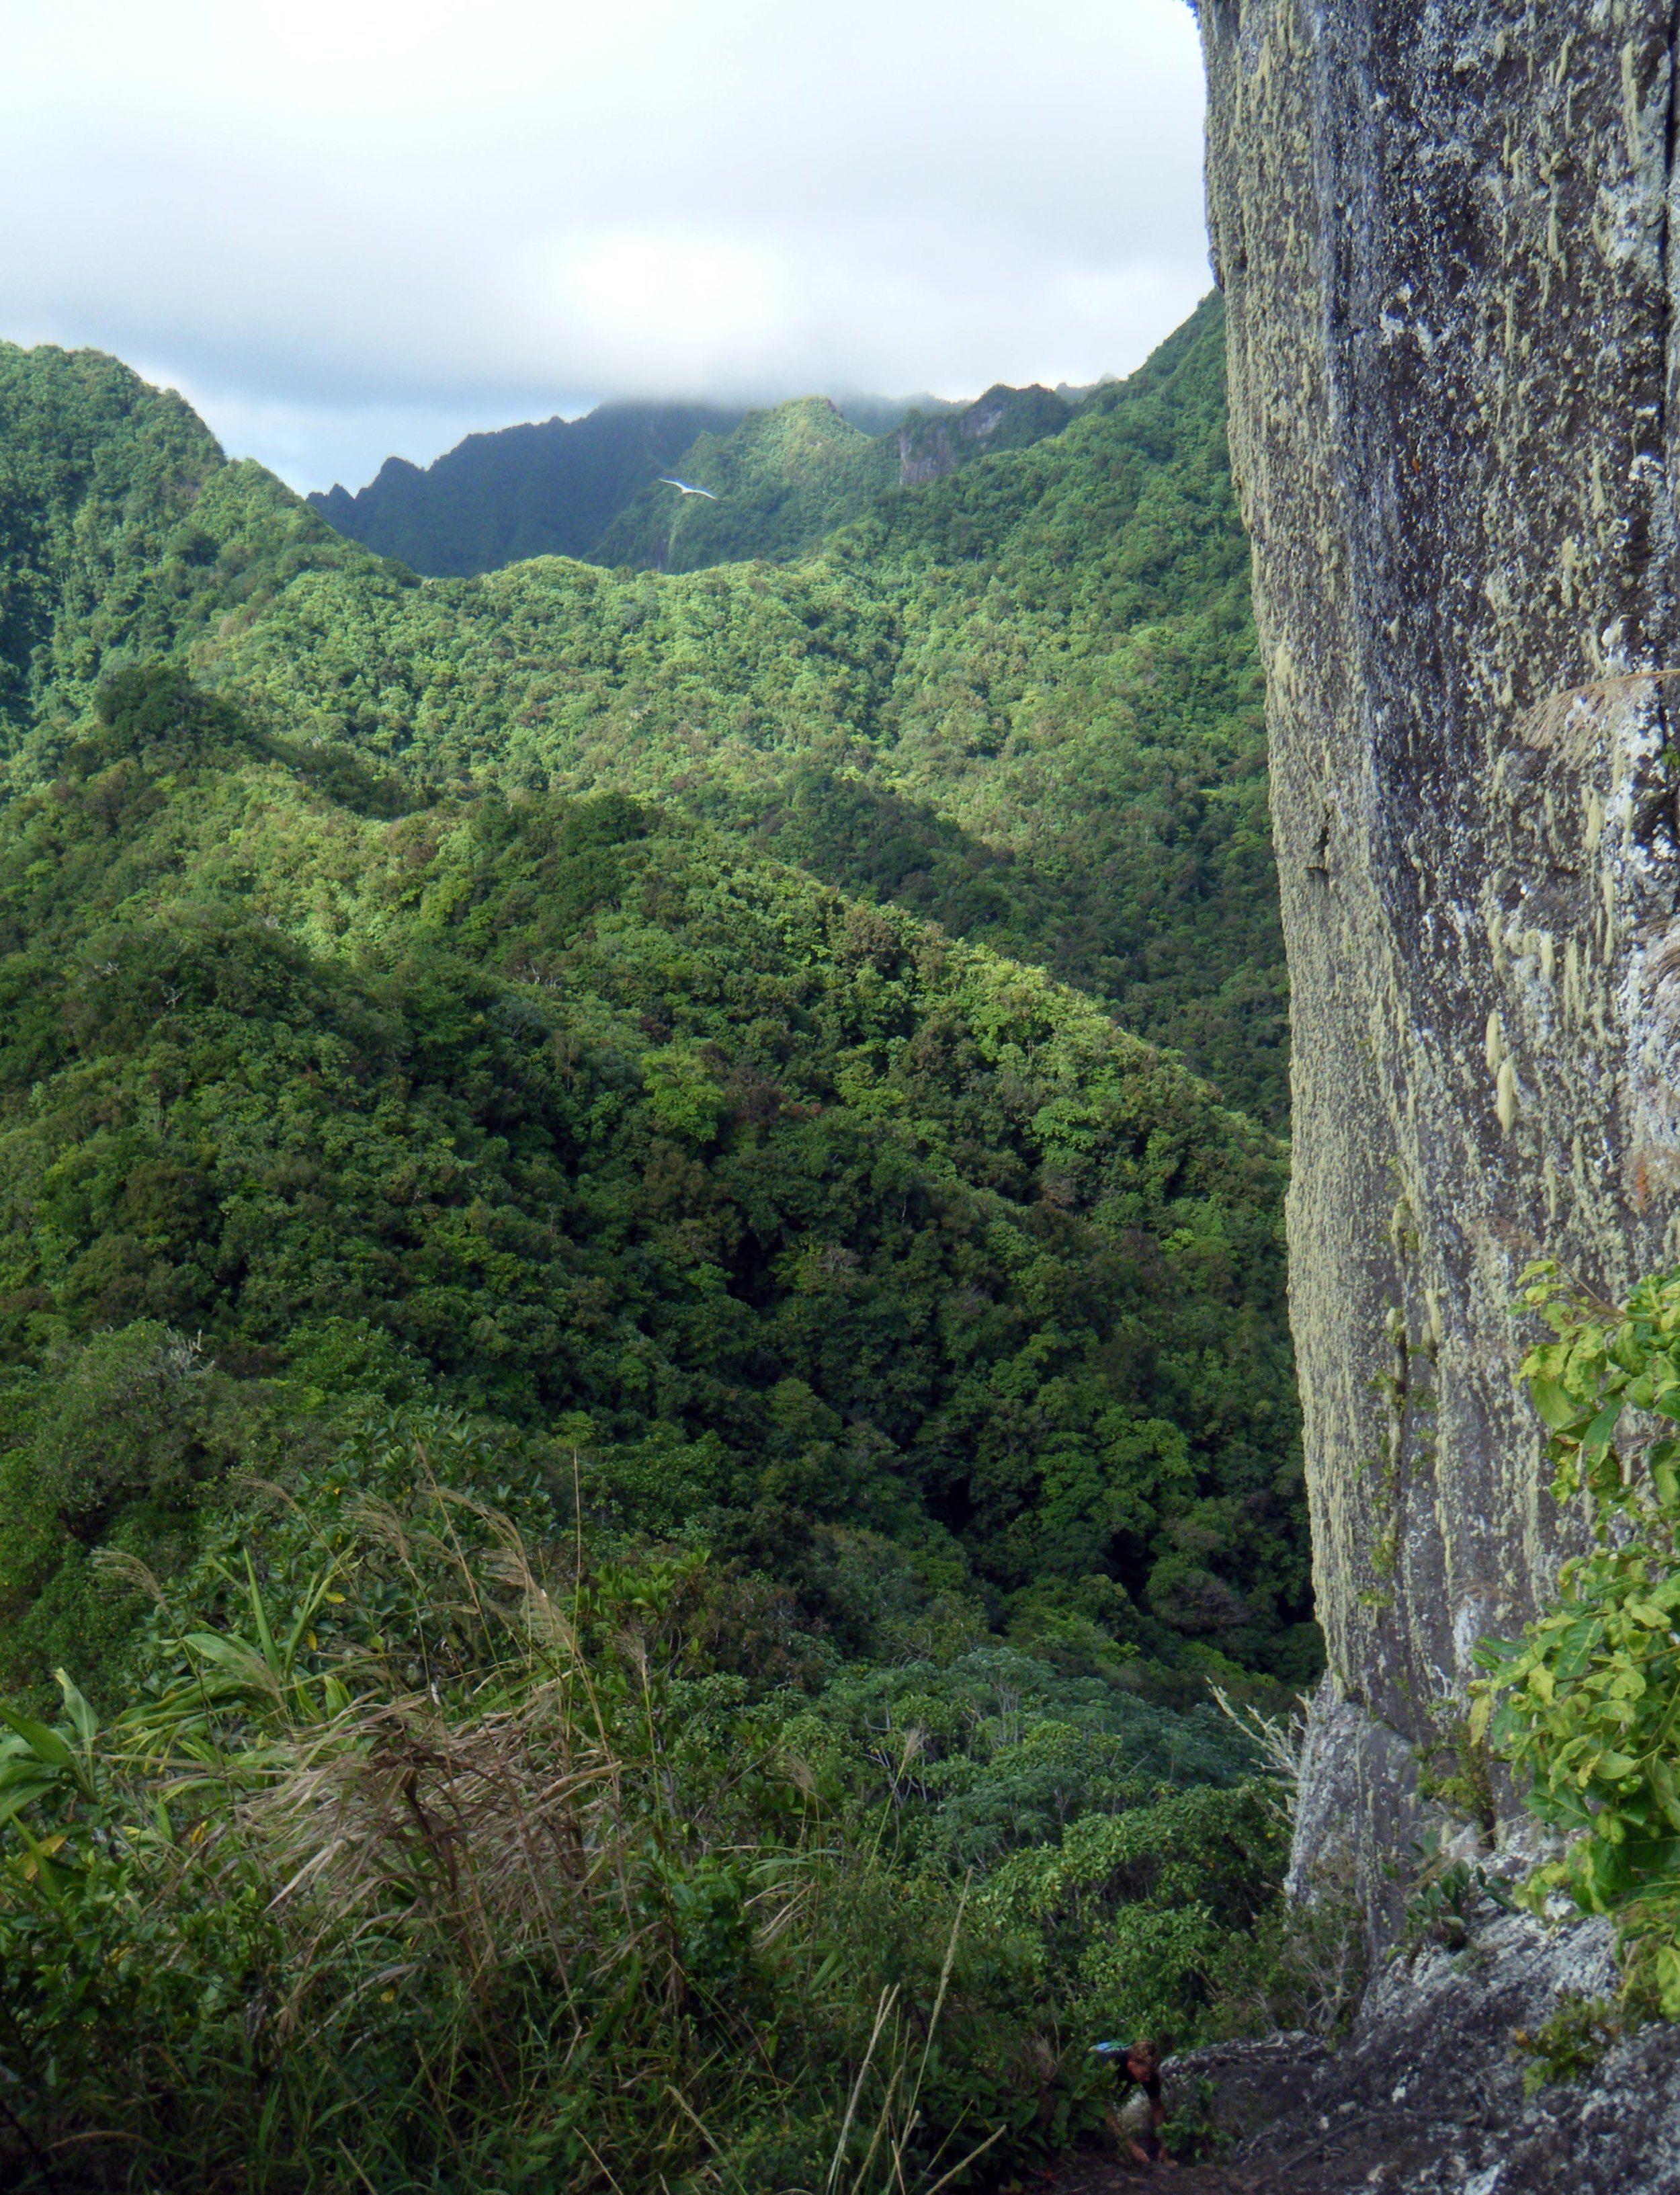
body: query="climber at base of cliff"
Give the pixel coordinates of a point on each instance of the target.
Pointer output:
(1136, 2118)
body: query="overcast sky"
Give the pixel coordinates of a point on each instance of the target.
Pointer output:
(344, 228)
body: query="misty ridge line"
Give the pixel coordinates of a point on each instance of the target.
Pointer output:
(583, 488)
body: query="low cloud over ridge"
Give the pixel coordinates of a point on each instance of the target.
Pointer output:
(345, 230)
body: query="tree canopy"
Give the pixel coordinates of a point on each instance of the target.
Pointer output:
(784, 1210)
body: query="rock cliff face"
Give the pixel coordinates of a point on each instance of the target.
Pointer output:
(1443, 232)
(1426, 2097)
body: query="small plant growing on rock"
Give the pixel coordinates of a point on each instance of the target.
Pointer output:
(1191, 2132)
(1457, 1771)
(1446, 1895)
(1569, 2044)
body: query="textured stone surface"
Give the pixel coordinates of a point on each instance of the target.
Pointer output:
(1426, 2097)
(1442, 233)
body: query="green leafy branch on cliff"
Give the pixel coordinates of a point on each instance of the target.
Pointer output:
(1587, 1704)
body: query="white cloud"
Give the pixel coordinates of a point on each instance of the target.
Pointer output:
(347, 227)
(697, 304)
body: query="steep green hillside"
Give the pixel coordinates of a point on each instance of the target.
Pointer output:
(547, 489)
(785, 478)
(643, 1459)
(933, 444)
(1022, 700)
(99, 475)
(783, 1210)
(587, 487)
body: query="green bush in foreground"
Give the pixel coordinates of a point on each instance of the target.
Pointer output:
(1587, 1704)
(431, 1851)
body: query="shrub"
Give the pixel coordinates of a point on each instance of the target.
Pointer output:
(1585, 1703)
(409, 1862)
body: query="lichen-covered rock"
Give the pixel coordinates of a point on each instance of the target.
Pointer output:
(1442, 231)
(1428, 2096)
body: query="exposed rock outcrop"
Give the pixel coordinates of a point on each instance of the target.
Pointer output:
(1004, 419)
(1443, 236)
(1427, 2097)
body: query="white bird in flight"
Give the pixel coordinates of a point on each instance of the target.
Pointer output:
(667, 480)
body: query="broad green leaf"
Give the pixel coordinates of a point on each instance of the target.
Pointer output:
(1599, 1433)
(82, 1716)
(230, 1653)
(53, 1878)
(1557, 1409)
(15, 1796)
(1663, 1784)
(45, 1744)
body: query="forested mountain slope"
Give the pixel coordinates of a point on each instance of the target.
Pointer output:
(784, 479)
(634, 1464)
(1022, 700)
(786, 1212)
(549, 488)
(588, 488)
(99, 475)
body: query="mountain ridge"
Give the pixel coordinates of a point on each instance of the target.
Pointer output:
(546, 488)
(570, 1109)
(1037, 674)
(589, 489)
(544, 1230)
(805, 709)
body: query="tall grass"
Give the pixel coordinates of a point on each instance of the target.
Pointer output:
(423, 1881)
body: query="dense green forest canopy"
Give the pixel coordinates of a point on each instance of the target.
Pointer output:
(1022, 700)
(784, 479)
(527, 1321)
(784, 1210)
(1019, 698)
(633, 1456)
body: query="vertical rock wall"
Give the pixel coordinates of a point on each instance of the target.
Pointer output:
(1442, 230)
